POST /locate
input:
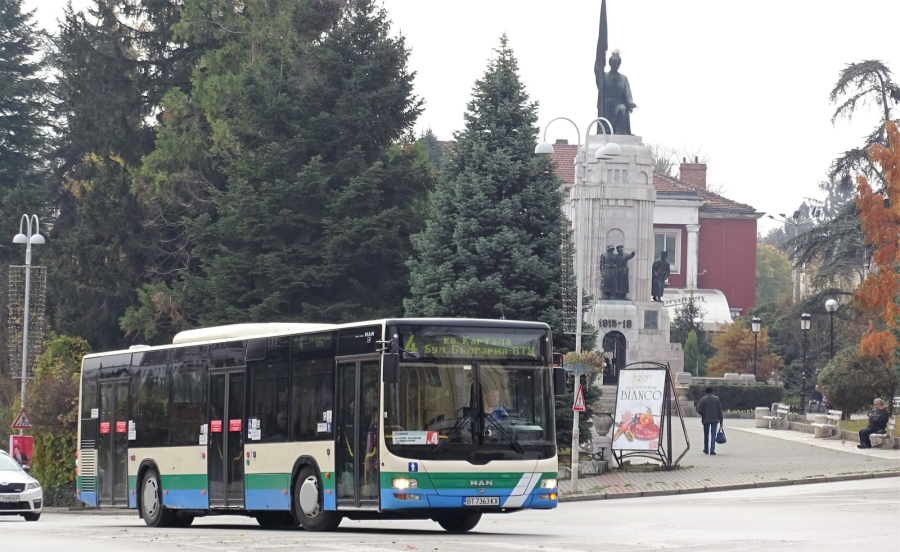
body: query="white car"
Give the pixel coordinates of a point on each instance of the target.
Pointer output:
(20, 494)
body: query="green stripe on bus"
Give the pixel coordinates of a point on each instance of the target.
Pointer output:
(266, 481)
(184, 482)
(504, 480)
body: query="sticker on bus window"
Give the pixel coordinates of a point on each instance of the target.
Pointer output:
(234, 425)
(121, 426)
(215, 426)
(104, 427)
(132, 431)
(95, 413)
(328, 416)
(415, 438)
(322, 428)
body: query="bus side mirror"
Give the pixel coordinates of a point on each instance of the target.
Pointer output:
(391, 368)
(559, 381)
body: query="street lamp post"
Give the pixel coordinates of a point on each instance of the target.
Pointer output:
(831, 305)
(608, 150)
(31, 236)
(755, 324)
(805, 319)
(697, 323)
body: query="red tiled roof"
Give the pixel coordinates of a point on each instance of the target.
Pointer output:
(564, 156)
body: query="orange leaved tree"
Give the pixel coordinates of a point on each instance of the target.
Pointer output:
(879, 215)
(734, 353)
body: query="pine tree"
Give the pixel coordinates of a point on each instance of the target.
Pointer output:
(293, 148)
(23, 122)
(492, 246)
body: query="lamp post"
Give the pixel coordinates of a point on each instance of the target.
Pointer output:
(755, 324)
(831, 305)
(606, 152)
(805, 319)
(697, 323)
(31, 236)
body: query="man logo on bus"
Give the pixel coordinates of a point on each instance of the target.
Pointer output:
(485, 483)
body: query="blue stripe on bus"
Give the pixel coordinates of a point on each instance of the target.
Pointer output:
(330, 500)
(267, 499)
(391, 502)
(192, 499)
(132, 499)
(88, 497)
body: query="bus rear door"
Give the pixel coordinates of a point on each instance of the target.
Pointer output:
(225, 453)
(113, 449)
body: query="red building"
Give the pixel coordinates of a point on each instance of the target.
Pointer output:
(711, 240)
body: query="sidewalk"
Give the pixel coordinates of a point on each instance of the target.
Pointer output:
(751, 458)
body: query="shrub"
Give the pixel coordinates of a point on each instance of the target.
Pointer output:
(851, 380)
(740, 397)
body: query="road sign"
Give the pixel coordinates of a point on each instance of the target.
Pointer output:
(22, 421)
(579, 401)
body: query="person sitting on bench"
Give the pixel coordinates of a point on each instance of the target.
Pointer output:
(877, 422)
(817, 399)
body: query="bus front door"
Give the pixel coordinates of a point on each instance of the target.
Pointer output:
(224, 457)
(113, 454)
(358, 420)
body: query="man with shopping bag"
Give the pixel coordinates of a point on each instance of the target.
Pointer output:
(711, 414)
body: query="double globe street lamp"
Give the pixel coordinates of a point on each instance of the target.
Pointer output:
(29, 234)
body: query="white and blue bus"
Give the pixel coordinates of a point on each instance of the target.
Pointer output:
(443, 419)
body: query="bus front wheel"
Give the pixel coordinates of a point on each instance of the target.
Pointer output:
(309, 503)
(461, 522)
(152, 509)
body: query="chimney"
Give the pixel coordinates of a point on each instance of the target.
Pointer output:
(693, 174)
(561, 142)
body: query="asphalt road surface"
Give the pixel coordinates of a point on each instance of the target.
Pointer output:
(815, 517)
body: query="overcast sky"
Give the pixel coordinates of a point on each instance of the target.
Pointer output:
(744, 84)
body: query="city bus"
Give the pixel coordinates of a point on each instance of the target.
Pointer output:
(307, 424)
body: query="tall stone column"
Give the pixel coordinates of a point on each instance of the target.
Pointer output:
(691, 269)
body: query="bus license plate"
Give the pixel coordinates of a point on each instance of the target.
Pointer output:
(482, 501)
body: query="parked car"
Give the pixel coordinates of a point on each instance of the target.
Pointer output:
(20, 494)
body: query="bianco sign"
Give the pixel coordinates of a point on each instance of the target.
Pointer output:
(639, 404)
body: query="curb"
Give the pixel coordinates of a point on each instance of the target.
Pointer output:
(718, 488)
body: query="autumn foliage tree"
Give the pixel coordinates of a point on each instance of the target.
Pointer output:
(879, 215)
(734, 353)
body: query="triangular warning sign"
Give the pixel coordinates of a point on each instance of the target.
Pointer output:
(22, 421)
(579, 401)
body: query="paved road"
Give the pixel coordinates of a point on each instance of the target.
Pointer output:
(751, 458)
(815, 517)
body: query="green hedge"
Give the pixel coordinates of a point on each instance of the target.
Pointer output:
(740, 397)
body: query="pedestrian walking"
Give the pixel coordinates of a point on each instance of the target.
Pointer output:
(877, 422)
(711, 414)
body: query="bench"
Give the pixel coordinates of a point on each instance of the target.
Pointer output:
(778, 415)
(887, 438)
(832, 425)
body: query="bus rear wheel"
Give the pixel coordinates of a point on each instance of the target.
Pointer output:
(309, 503)
(151, 505)
(461, 522)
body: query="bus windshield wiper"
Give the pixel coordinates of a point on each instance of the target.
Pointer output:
(515, 444)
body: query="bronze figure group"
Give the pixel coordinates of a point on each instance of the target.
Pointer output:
(614, 271)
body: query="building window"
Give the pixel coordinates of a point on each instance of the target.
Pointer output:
(669, 241)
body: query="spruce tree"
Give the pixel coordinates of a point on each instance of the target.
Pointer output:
(23, 123)
(492, 245)
(293, 146)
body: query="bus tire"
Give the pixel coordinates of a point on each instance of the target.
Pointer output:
(309, 502)
(151, 504)
(458, 522)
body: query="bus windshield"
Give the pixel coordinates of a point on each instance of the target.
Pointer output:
(494, 405)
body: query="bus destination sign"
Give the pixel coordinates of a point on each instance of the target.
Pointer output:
(458, 342)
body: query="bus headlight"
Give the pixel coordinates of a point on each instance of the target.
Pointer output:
(548, 484)
(404, 483)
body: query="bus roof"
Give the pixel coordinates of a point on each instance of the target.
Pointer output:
(272, 329)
